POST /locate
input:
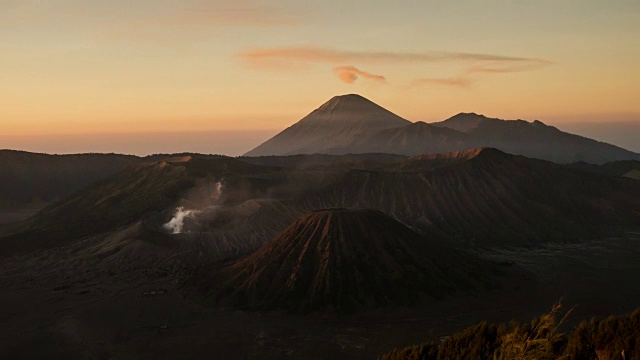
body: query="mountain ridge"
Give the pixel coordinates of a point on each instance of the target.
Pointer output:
(351, 124)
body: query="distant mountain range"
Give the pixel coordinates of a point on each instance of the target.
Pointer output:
(351, 124)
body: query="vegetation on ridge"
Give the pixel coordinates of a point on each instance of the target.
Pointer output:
(611, 338)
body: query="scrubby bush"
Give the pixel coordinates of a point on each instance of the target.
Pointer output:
(476, 342)
(612, 339)
(538, 340)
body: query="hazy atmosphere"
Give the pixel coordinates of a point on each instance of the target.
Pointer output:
(82, 76)
(261, 180)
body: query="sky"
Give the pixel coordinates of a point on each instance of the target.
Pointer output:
(221, 76)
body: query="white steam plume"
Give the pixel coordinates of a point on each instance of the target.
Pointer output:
(176, 224)
(218, 192)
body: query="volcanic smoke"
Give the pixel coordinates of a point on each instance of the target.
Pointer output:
(176, 224)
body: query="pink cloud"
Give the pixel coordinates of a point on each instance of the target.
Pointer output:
(349, 74)
(471, 64)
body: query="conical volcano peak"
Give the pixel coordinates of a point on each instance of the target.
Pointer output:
(333, 125)
(345, 260)
(348, 101)
(355, 108)
(349, 97)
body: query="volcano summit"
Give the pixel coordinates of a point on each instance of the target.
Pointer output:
(346, 260)
(334, 124)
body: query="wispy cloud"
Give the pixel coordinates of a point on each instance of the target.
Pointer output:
(458, 81)
(314, 54)
(468, 75)
(470, 63)
(498, 68)
(349, 74)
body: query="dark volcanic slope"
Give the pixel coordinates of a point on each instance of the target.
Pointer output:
(344, 260)
(487, 197)
(30, 177)
(107, 205)
(119, 200)
(334, 124)
(479, 196)
(412, 139)
(320, 161)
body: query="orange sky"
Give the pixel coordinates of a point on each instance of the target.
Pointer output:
(118, 68)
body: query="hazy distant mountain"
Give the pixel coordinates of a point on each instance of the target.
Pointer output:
(334, 124)
(413, 139)
(351, 124)
(533, 139)
(345, 260)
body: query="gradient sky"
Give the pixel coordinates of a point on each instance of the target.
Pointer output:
(221, 76)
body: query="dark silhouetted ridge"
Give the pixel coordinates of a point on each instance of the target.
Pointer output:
(462, 154)
(437, 160)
